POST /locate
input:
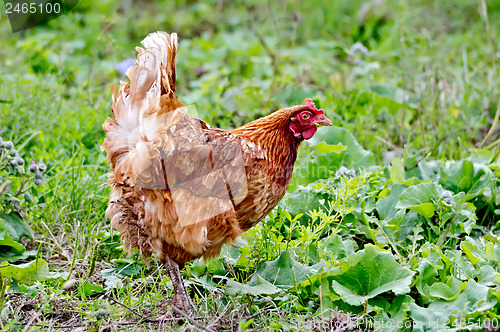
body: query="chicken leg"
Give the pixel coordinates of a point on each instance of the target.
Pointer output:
(181, 298)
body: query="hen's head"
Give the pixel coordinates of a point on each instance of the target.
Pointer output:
(305, 120)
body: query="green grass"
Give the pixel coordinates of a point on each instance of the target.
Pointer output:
(413, 80)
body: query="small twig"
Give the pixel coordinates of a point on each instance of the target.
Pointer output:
(321, 302)
(20, 190)
(443, 237)
(418, 162)
(274, 85)
(190, 320)
(61, 327)
(173, 308)
(392, 146)
(4, 186)
(493, 126)
(30, 322)
(493, 144)
(422, 128)
(264, 310)
(63, 251)
(219, 317)
(18, 209)
(126, 307)
(393, 245)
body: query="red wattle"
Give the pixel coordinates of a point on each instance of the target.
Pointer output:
(308, 133)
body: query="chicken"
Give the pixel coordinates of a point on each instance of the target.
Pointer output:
(181, 189)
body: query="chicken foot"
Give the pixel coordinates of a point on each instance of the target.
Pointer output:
(181, 299)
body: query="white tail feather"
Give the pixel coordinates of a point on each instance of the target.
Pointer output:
(137, 105)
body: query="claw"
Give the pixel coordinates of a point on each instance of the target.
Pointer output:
(181, 306)
(167, 303)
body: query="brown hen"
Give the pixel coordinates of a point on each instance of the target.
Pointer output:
(181, 189)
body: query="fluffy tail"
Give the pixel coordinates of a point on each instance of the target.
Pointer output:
(136, 106)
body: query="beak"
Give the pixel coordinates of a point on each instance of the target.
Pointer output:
(323, 121)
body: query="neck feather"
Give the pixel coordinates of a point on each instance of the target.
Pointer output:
(273, 135)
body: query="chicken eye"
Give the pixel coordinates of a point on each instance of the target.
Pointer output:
(305, 116)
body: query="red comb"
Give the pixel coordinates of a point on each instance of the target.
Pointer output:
(309, 103)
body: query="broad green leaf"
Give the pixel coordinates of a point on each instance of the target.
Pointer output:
(426, 170)
(284, 271)
(206, 282)
(14, 256)
(493, 252)
(244, 259)
(412, 181)
(2, 231)
(215, 266)
(232, 254)
(320, 285)
(368, 273)
(312, 285)
(111, 280)
(329, 149)
(128, 270)
(325, 148)
(15, 226)
(386, 207)
(26, 273)
(488, 276)
(355, 156)
(473, 253)
(304, 199)
(464, 269)
(317, 164)
(457, 176)
(420, 198)
(393, 93)
(448, 291)
(338, 248)
(426, 276)
(122, 260)
(397, 171)
(261, 287)
(474, 298)
(64, 275)
(87, 289)
(472, 179)
(10, 249)
(393, 315)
